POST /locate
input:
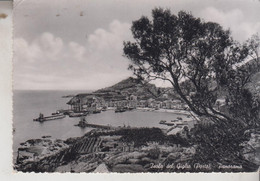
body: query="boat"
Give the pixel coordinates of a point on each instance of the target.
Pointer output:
(179, 122)
(41, 117)
(179, 126)
(162, 122)
(131, 108)
(79, 114)
(67, 112)
(169, 124)
(57, 112)
(104, 108)
(47, 136)
(179, 118)
(96, 111)
(166, 123)
(120, 109)
(175, 120)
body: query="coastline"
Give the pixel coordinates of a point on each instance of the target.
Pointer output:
(174, 111)
(123, 150)
(24, 113)
(134, 159)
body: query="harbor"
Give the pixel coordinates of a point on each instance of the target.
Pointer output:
(84, 116)
(58, 117)
(26, 128)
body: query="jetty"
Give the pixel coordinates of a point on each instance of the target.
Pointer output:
(94, 126)
(83, 124)
(43, 118)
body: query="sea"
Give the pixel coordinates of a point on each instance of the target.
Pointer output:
(28, 104)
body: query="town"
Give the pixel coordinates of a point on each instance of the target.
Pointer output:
(129, 95)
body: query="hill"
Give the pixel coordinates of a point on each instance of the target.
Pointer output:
(126, 88)
(132, 86)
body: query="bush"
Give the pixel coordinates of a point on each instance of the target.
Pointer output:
(154, 153)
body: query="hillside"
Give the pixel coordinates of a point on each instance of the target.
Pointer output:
(124, 84)
(132, 86)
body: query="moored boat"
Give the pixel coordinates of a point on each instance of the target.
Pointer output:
(57, 112)
(166, 123)
(169, 124)
(162, 122)
(79, 114)
(104, 108)
(179, 118)
(181, 124)
(96, 111)
(131, 108)
(175, 120)
(120, 109)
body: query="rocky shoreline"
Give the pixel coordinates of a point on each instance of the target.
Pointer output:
(121, 150)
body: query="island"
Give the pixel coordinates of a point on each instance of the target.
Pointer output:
(129, 149)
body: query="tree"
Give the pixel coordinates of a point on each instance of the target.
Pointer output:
(200, 60)
(254, 45)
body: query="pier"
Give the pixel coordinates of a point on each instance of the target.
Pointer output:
(43, 118)
(84, 124)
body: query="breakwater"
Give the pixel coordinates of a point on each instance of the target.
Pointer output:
(84, 125)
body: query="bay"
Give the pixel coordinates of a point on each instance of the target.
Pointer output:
(28, 105)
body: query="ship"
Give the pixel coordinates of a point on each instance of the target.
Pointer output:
(43, 118)
(79, 114)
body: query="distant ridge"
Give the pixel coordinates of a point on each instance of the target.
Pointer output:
(132, 86)
(124, 84)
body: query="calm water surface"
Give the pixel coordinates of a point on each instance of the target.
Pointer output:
(28, 105)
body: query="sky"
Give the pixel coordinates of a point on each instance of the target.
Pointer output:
(78, 45)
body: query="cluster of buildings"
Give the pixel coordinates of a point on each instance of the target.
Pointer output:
(93, 101)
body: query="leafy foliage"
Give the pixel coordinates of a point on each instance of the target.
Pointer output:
(199, 59)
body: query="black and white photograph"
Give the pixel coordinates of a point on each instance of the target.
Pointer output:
(136, 86)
